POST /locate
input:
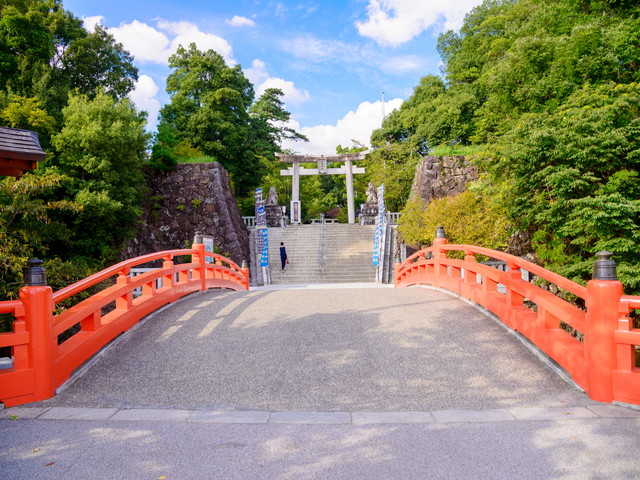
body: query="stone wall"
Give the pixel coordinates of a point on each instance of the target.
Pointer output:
(439, 177)
(193, 197)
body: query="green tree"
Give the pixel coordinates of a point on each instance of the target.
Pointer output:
(78, 205)
(97, 61)
(209, 109)
(45, 53)
(473, 217)
(27, 225)
(406, 125)
(27, 39)
(547, 90)
(394, 166)
(28, 114)
(102, 149)
(574, 179)
(355, 147)
(269, 121)
(212, 109)
(163, 153)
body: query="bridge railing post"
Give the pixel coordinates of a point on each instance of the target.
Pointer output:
(603, 297)
(201, 272)
(245, 272)
(439, 255)
(37, 298)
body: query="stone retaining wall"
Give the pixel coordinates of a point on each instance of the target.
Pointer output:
(193, 197)
(439, 177)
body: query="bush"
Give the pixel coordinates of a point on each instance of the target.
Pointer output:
(470, 218)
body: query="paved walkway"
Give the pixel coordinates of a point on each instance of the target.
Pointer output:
(322, 381)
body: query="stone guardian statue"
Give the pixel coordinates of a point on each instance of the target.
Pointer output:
(369, 210)
(372, 195)
(272, 198)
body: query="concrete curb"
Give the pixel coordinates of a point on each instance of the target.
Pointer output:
(320, 286)
(516, 414)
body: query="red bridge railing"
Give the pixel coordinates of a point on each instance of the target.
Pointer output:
(595, 345)
(43, 358)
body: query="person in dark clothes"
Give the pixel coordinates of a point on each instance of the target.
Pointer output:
(283, 255)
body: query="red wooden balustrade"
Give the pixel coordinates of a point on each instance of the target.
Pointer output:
(601, 359)
(40, 364)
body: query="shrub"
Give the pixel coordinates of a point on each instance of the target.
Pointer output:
(470, 218)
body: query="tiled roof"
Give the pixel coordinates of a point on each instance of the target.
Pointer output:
(20, 145)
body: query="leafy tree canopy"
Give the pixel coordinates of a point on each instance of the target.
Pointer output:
(270, 119)
(102, 149)
(213, 109)
(548, 92)
(574, 179)
(45, 54)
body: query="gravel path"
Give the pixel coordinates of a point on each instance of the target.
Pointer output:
(320, 350)
(325, 382)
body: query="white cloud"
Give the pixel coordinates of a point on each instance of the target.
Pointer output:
(143, 95)
(257, 73)
(280, 11)
(238, 21)
(155, 45)
(358, 125)
(187, 33)
(259, 76)
(393, 22)
(90, 23)
(317, 50)
(292, 95)
(144, 42)
(402, 63)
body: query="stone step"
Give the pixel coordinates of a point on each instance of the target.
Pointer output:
(348, 250)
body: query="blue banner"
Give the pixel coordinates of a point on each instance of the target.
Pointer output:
(377, 242)
(264, 257)
(261, 227)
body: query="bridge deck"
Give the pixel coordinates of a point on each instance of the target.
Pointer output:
(479, 404)
(376, 349)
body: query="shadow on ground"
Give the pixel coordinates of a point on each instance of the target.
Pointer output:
(320, 350)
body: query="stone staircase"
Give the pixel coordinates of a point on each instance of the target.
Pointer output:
(329, 253)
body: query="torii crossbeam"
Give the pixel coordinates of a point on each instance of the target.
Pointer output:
(295, 171)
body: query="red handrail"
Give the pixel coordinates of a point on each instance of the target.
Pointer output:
(595, 345)
(109, 272)
(537, 270)
(40, 363)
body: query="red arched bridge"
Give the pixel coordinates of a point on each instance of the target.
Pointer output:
(595, 344)
(47, 347)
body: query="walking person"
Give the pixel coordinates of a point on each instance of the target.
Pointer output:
(283, 255)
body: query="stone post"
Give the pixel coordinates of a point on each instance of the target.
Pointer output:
(351, 211)
(295, 194)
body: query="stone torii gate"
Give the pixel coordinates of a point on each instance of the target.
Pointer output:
(295, 171)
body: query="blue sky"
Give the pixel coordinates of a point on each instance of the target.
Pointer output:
(333, 59)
